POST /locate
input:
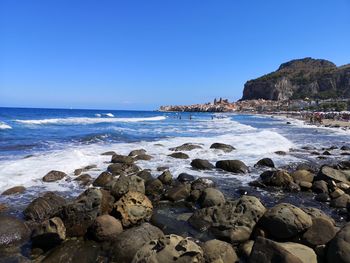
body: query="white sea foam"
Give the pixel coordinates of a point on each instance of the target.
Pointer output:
(85, 120)
(109, 115)
(98, 115)
(251, 145)
(4, 126)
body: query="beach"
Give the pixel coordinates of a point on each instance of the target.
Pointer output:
(81, 170)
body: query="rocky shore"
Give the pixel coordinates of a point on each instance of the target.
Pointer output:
(127, 214)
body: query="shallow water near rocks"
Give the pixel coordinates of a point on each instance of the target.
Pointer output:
(41, 140)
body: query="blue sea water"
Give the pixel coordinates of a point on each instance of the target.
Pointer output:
(35, 141)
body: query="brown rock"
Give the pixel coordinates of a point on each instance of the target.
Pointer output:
(103, 179)
(339, 247)
(179, 155)
(219, 251)
(54, 176)
(106, 228)
(320, 233)
(134, 208)
(302, 175)
(14, 190)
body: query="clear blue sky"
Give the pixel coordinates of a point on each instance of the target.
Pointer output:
(140, 54)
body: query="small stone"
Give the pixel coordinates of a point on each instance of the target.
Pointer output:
(14, 190)
(179, 155)
(54, 176)
(336, 193)
(166, 177)
(201, 164)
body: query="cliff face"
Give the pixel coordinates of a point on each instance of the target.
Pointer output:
(298, 79)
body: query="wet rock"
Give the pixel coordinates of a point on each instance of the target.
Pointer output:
(84, 169)
(145, 175)
(234, 166)
(322, 197)
(166, 177)
(179, 155)
(317, 213)
(106, 228)
(194, 195)
(185, 147)
(339, 247)
(13, 232)
(154, 187)
(345, 148)
(44, 207)
(285, 221)
(340, 202)
(219, 251)
(267, 162)
(14, 190)
(3, 207)
(143, 157)
(117, 158)
(108, 153)
(178, 192)
(278, 178)
(184, 177)
(245, 249)
(326, 153)
(137, 152)
(74, 250)
(123, 169)
(125, 184)
(201, 164)
(170, 248)
(84, 179)
(308, 147)
(336, 193)
(329, 173)
(320, 233)
(130, 241)
(54, 176)
(320, 186)
(268, 251)
(233, 221)
(305, 185)
(224, 147)
(211, 197)
(162, 168)
(49, 234)
(302, 175)
(282, 153)
(133, 208)
(201, 184)
(79, 215)
(103, 180)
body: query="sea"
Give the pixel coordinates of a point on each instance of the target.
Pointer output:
(36, 141)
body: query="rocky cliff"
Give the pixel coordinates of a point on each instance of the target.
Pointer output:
(301, 78)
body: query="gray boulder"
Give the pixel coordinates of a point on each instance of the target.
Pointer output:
(201, 164)
(219, 251)
(170, 248)
(13, 232)
(339, 247)
(268, 251)
(131, 240)
(234, 166)
(233, 221)
(125, 184)
(185, 147)
(211, 197)
(285, 221)
(224, 147)
(106, 228)
(179, 155)
(54, 176)
(44, 207)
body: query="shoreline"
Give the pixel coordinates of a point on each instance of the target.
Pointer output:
(159, 199)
